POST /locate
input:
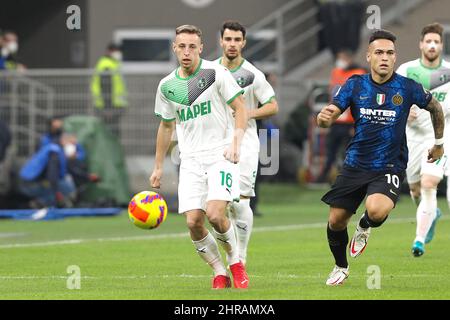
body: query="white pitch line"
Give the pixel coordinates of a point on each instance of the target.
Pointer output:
(178, 235)
(201, 276)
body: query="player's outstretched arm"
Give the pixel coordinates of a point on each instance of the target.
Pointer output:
(438, 121)
(241, 118)
(265, 111)
(328, 115)
(163, 140)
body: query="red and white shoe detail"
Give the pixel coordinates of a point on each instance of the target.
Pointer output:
(221, 282)
(359, 241)
(337, 276)
(240, 277)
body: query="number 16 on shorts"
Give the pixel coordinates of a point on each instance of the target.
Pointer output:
(229, 179)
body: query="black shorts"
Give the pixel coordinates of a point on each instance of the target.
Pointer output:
(352, 185)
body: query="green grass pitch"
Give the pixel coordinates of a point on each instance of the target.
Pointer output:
(288, 257)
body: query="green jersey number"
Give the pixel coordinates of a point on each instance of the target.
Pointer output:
(227, 179)
(439, 96)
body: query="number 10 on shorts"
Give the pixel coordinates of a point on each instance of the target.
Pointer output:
(227, 179)
(393, 179)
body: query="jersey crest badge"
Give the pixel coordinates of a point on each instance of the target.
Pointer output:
(397, 99)
(381, 98)
(201, 83)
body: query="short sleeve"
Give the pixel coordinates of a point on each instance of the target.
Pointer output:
(163, 108)
(263, 90)
(343, 96)
(227, 86)
(420, 96)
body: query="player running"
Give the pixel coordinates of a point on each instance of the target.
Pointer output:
(257, 91)
(194, 98)
(423, 177)
(377, 156)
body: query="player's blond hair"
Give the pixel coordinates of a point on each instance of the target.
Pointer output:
(188, 28)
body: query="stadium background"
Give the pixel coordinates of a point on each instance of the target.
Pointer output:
(284, 39)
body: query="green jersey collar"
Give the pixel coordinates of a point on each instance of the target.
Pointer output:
(435, 68)
(235, 69)
(177, 74)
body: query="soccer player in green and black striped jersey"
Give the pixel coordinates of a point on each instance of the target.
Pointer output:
(260, 103)
(194, 99)
(423, 177)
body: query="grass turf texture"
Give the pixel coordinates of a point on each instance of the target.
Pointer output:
(288, 257)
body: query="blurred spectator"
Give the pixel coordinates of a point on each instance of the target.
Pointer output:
(342, 130)
(108, 88)
(74, 151)
(57, 172)
(55, 131)
(9, 50)
(45, 179)
(77, 165)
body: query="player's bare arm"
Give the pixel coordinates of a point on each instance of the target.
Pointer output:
(328, 115)
(265, 111)
(241, 118)
(438, 121)
(163, 140)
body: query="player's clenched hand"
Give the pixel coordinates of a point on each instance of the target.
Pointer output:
(325, 117)
(435, 153)
(232, 153)
(155, 178)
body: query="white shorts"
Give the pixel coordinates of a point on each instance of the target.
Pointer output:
(418, 165)
(203, 179)
(248, 166)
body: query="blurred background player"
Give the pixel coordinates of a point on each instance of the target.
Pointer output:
(377, 156)
(341, 131)
(108, 88)
(433, 73)
(257, 91)
(193, 97)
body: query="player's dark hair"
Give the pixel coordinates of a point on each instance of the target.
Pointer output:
(382, 34)
(232, 25)
(432, 28)
(188, 28)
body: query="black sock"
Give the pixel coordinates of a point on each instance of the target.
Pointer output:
(338, 240)
(366, 222)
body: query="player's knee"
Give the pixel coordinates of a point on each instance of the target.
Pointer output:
(337, 223)
(429, 184)
(377, 216)
(194, 223)
(216, 217)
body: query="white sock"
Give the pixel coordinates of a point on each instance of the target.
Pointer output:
(208, 250)
(243, 222)
(426, 212)
(228, 242)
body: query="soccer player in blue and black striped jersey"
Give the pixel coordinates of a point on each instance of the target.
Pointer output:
(377, 156)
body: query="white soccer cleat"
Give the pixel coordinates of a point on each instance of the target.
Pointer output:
(337, 276)
(359, 241)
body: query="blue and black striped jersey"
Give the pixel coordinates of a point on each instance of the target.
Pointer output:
(380, 112)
